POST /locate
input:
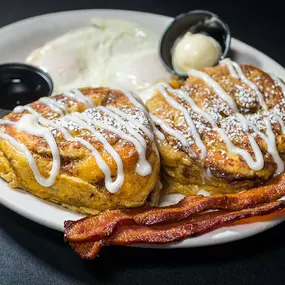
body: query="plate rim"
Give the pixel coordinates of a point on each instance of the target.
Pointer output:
(47, 223)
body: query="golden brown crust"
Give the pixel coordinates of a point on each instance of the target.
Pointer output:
(184, 169)
(80, 182)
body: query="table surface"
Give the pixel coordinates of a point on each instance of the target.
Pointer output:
(31, 254)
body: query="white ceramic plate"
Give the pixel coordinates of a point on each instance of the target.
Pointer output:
(19, 39)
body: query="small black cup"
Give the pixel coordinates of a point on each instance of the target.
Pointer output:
(21, 84)
(198, 21)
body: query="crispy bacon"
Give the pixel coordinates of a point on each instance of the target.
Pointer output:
(173, 231)
(86, 250)
(95, 227)
(232, 202)
(105, 223)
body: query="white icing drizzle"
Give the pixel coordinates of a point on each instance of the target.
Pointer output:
(231, 69)
(78, 96)
(30, 123)
(251, 85)
(132, 120)
(216, 86)
(111, 186)
(269, 138)
(236, 72)
(46, 182)
(159, 134)
(255, 165)
(243, 120)
(6, 122)
(41, 119)
(143, 167)
(21, 109)
(164, 126)
(84, 122)
(136, 100)
(129, 128)
(156, 131)
(204, 193)
(163, 90)
(54, 105)
(272, 147)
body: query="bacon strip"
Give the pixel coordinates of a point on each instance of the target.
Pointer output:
(95, 227)
(86, 250)
(171, 232)
(232, 202)
(105, 223)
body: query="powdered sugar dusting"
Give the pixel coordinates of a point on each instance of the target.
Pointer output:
(251, 118)
(95, 115)
(95, 123)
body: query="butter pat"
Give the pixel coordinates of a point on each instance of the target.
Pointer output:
(195, 51)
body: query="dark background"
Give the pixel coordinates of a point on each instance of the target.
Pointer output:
(31, 254)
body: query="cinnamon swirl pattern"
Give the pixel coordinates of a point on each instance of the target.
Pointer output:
(89, 150)
(223, 131)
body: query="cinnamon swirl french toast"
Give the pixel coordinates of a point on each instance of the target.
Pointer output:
(88, 150)
(222, 131)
